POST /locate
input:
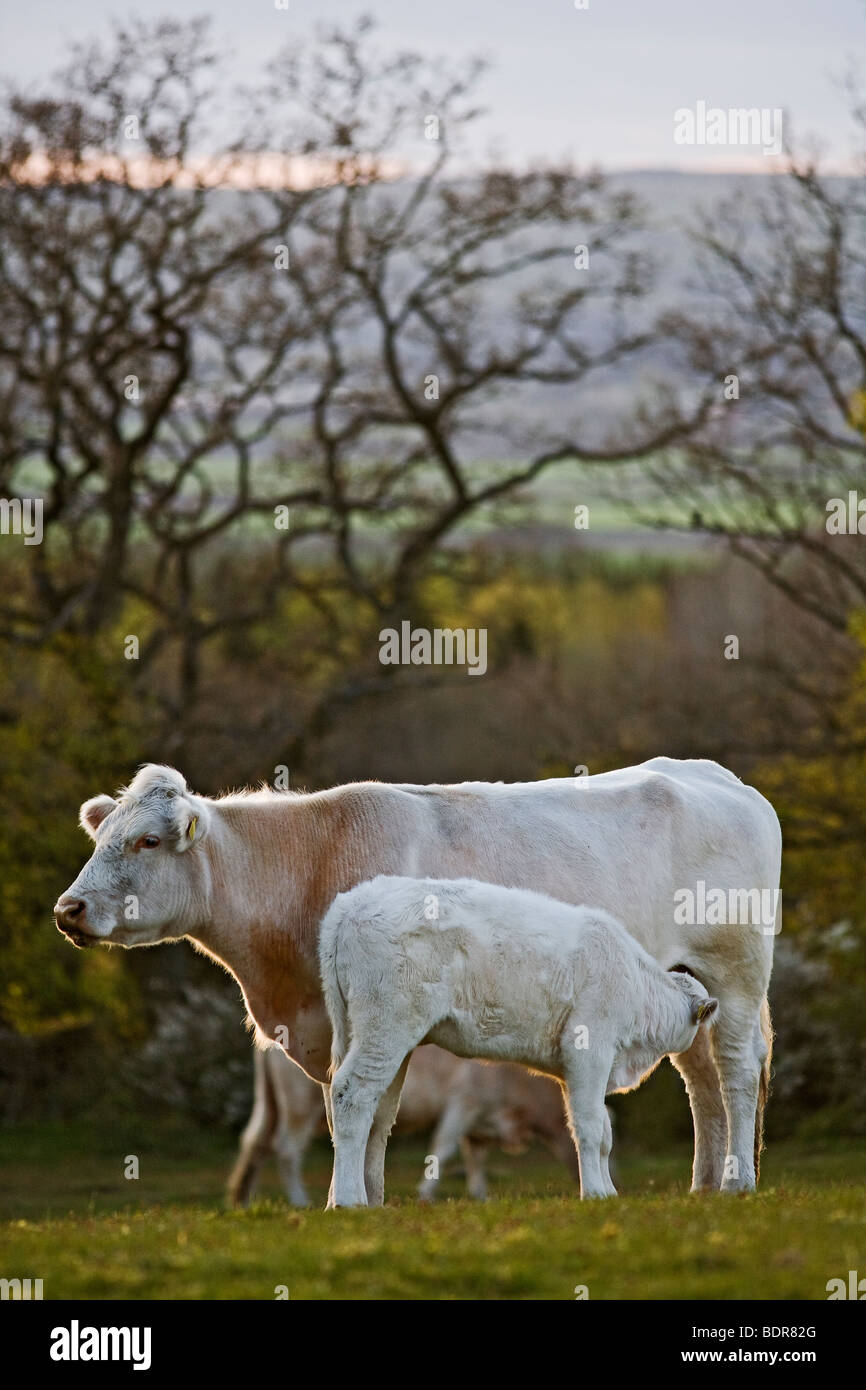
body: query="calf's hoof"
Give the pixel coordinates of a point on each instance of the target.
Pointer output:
(737, 1185)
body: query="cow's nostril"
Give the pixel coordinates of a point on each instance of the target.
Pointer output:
(67, 913)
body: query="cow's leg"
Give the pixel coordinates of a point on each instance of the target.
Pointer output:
(291, 1148)
(561, 1142)
(254, 1149)
(562, 1145)
(585, 1088)
(698, 1070)
(475, 1159)
(386, 1114)
(606, 1146)
(256, 1140)
(737, 1047)
(447, 1136)
(297, 1120)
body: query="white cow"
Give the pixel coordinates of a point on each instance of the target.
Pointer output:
(497, 973)
(471, 1105)
(249, 876)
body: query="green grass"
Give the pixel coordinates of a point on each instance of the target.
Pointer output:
(72, 1219)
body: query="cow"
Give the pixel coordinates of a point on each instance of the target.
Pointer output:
(472, 1106)
(248, 877)
(497, 973)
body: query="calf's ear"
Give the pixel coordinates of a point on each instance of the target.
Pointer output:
(703, 1010)
(93, 813)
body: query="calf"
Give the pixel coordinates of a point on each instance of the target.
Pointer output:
(496, 973)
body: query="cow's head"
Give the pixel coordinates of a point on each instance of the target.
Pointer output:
(147, 879)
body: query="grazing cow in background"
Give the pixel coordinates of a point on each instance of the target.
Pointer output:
(471, 1105)
(498, 973)
(248, 878)
(496, 1103)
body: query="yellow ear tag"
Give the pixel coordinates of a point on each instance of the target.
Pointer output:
(192, 825)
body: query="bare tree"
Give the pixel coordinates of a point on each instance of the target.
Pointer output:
(310, 352)
(778, 326)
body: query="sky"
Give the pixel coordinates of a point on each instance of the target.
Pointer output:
(599, 85)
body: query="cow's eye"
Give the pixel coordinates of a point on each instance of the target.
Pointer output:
(148, 842)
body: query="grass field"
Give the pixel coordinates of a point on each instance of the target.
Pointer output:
(72, 1219)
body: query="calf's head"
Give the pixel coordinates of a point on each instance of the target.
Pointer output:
(147, 879)
(678, 1006)
(699, 1009)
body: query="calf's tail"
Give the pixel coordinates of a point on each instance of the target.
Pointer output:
(335, 1001)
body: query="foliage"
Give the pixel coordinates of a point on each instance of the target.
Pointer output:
(65, 724)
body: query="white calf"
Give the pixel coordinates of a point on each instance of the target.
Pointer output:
(494, 973)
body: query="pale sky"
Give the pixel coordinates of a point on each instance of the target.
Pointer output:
(600, 85)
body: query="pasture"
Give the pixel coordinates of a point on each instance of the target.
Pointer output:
(70, 1218)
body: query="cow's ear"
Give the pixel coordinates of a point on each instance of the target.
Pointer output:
(703, 1010)
(191, 819)
(93, 813)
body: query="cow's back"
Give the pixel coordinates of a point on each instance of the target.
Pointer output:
(626, 841)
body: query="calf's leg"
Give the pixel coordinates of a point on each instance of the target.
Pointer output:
(585, 1082)
(357, 1087)
(383, 1123)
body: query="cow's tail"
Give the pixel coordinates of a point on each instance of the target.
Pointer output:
(335, 1001)
(258, 1137)
(764, 1082)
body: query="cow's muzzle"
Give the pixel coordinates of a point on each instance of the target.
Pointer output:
(69, 914)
